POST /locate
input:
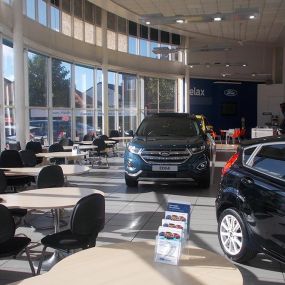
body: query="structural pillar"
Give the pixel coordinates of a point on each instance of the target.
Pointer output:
(105, 90)
(187, 78)
(18, 47)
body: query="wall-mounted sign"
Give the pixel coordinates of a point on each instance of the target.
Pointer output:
(197, 92)
(231, 92)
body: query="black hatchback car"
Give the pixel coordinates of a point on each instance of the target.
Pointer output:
(250, 205)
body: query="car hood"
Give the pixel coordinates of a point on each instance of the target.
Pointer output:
(143, 142)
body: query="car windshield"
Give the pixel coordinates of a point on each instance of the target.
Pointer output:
(168, 126)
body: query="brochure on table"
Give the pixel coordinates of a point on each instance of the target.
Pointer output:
(75, 149)
(173, 233)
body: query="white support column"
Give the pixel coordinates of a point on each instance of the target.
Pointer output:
(19, 72)
(187, 78)
(2, 113)
(105, 101)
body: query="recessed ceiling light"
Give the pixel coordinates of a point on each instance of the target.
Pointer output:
(207, 65)
(227, 65)
(253, 74)
(244, 65)
(191, 66)
(147, 22)
(179, 21)
(251, 17)
(217, 18)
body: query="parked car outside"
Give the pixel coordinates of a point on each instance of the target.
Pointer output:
(250, 204)
(168, 147)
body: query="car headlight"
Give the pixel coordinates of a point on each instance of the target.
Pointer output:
(197, 149)
(133, 149)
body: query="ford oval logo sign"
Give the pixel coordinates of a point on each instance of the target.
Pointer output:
(230, 92)
(164, 153)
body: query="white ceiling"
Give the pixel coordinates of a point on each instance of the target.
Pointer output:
(266, 28)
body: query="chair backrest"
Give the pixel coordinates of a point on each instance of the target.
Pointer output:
(36, 147)
(3, 181)
(7, 224)
(88, 137)
(104, 137)
(66, 142)
(50, 176)
(10, 158)
(56, 147)
(88, 216)
(15, 146)
(236, 133)
(101, 145)
(114, 133)
(28, 157)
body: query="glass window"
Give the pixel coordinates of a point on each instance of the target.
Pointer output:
(10, 127)
(84, 87)
(133, 29)
(143, 32)
(61, 124)
(122, 25)
(31, 9)
(111, 40)
(132, 45)
(151, 94)
(111, 89)
(247, 153)
(89, 33)
(164, 37)
(8, 73)
(78, 9)
(54, 18)
(143, 47)
(66, 6)
(111, 21)
(153, 34)
(61, 73)
(111, 119)
(98, 16)
(152, 46)
(39, 124)
(99, 83)
(84, 124)
(122, 43)
(175, 39)
(66, 23)
(42, 12)
(89, 12)
(271, 160)
(167, 95)
(37, 67)
(78, 29)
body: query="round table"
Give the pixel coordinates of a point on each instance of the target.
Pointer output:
(133, 263)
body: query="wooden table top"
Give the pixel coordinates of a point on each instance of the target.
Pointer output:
(132, 263)
(81, 147)
(67, 169)
(47, 198)
(60, 154)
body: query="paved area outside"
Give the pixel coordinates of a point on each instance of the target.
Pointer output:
(134, 214)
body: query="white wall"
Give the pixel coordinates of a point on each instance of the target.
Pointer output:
(269, 98)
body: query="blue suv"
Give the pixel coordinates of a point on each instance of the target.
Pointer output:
(167, 147)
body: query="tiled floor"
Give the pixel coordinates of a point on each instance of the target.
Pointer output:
(135, 214)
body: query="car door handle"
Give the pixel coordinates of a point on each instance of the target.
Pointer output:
(247, 181)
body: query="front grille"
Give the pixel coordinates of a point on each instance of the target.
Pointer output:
(165, 156)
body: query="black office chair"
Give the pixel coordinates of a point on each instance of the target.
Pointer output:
(114, 133)
(35, 147)
(87, 220)
(15, 212)
(15, 146)
(96, 156)
(88, 137)
(11, 245)
(50, 176)
(12, 158)
(109, 145)
(56, 147)
(28, 157)
(65, 142)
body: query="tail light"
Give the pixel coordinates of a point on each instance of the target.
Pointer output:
(230, 163)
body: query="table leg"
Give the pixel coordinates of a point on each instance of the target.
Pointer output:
(57, 256)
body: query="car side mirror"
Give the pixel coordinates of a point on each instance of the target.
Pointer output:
(129, 133)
